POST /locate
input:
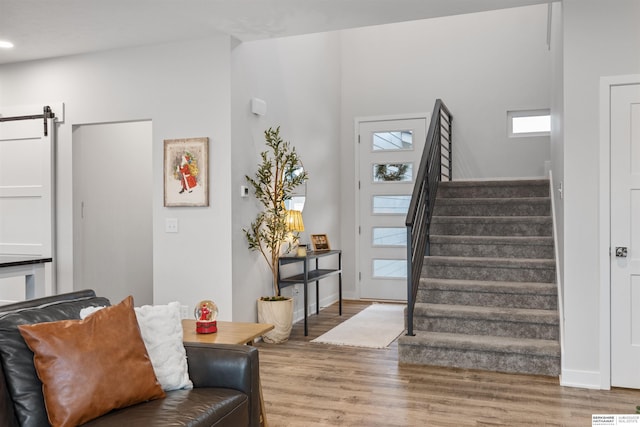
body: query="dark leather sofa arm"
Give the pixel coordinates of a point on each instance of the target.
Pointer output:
(7, 416)
(228, 366)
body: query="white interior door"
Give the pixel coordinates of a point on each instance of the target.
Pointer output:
(26, 195)
(625, 236)
(389, 157)
(112, 193)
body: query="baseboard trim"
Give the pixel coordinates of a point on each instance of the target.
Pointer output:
(298, 314)
(580, 379)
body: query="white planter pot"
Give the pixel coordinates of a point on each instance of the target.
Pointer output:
(280, 315)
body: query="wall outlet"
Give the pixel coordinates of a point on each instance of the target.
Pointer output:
(184, 312)
(171, 225)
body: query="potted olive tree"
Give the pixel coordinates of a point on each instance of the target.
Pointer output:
(274, 181)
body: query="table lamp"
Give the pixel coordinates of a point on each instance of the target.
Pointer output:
(295, 225)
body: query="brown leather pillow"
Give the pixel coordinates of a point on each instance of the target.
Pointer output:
(89, 367)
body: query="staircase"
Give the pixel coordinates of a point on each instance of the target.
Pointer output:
(487, 297)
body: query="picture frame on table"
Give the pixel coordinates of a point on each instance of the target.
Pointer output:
(186, 172)
(320, 242)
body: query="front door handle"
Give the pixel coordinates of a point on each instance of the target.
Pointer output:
(621, 251)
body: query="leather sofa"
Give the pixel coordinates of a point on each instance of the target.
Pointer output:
(225, 377)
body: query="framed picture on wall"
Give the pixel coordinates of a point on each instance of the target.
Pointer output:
(320, 242)
(186, 172)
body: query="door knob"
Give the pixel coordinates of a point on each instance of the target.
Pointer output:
(621, 251)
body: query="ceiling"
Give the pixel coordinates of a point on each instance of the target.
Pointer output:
(44, 28)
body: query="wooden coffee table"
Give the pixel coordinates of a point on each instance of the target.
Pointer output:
(228, 332)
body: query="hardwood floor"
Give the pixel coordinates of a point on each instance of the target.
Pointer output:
(309, 384)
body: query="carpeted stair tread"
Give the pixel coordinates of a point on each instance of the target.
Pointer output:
(492, 225)
(494, 188)
(539, 219)
(522, 315)
(492, 246)
(492, 200)
(484, 268)
(496, 240)
(534, 288)
(516, 263)
(493, 183)
(524, 346)
(500, 206)
(488, 293)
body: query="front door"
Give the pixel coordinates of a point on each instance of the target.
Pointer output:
(625, 236)
(389, 157)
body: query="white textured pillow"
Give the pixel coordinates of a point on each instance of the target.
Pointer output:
(87, 311)
(161, 329)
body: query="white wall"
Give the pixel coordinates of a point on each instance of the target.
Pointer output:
(557, 133)
(480, 65)
(184, 88)
(299, 78)
(601, 38)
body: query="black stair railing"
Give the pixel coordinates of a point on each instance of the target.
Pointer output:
(435, 165)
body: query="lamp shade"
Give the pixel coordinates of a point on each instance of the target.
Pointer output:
(294, 221)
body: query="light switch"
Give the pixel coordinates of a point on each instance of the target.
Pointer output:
(171, 225)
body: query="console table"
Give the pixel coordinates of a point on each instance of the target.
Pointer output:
(32, 267)
(314, 275)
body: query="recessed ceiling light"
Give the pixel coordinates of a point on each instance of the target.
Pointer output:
(4, 44)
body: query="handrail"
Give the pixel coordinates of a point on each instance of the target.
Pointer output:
(435, 165)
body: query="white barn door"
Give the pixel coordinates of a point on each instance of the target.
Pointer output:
(26, 193)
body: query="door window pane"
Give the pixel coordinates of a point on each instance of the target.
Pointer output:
(394, 205)
(390, 268)
(389, 236)
(392, 172)
(396, 140)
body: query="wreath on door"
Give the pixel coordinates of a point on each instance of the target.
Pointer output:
(391, 171)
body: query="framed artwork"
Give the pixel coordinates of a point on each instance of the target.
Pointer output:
(320, 242)
(186, 172)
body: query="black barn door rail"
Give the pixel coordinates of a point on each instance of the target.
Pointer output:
(46, 114)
